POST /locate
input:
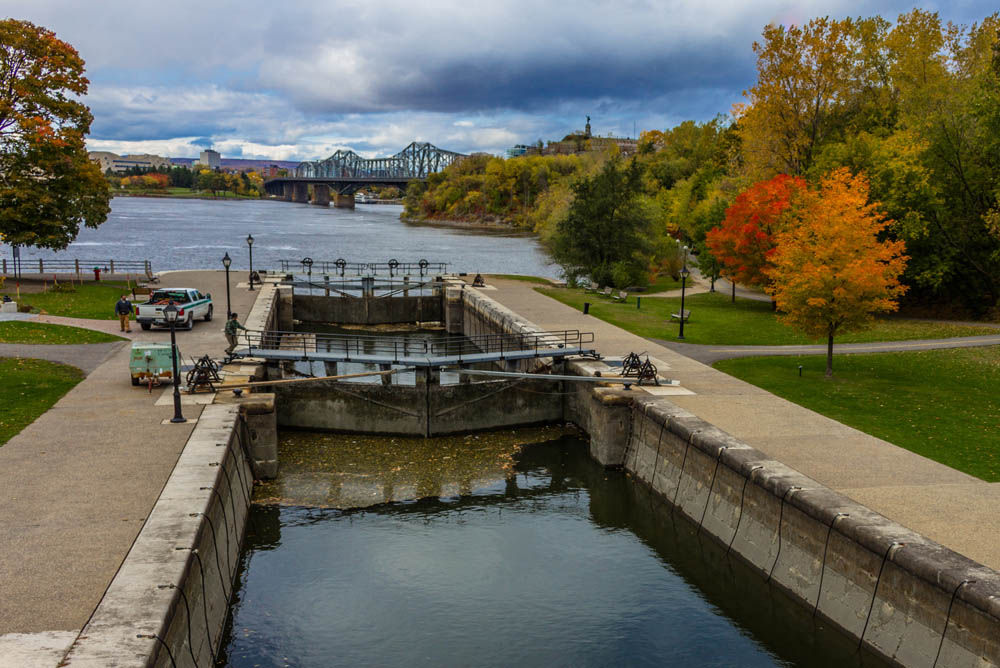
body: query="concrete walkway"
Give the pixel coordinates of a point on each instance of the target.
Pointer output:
(77, 485)
(84, 356)
(950, 507)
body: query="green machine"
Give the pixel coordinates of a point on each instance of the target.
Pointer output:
(151, 363)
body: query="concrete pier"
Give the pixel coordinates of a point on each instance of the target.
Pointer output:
(343, 201)
(321, 195)
(300, 193)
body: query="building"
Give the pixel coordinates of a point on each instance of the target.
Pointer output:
(516, 150)
(211, 159)
(120, 163)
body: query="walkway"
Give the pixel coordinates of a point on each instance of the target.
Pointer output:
(950, 507)
(77, 484)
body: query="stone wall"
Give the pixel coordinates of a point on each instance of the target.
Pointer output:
(907, 598)
(169, 600)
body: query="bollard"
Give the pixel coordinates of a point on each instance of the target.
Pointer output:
(638, 303)
(586, 308)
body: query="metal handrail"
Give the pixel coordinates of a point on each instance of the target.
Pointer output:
(47, 265)
(382, 346)
(343, 268)
(344, 286)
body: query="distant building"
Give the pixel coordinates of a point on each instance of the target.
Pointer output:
(120, 163)
(211, 159)
(583, 142)
(516, 150)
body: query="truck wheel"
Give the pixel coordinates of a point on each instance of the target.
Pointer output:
(146, 325)
(208, 316)
(189, 325)
(135, 381)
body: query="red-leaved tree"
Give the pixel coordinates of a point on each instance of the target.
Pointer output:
(744, 243)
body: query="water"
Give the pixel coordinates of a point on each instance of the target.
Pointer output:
(195, 234)
(561, 564)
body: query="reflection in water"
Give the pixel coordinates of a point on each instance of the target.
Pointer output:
(559, 564)
(355, 471)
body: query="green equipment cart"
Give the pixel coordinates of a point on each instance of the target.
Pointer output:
(151, 363)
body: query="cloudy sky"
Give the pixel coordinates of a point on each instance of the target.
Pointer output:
(298, 80)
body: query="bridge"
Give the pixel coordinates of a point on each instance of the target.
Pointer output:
(345, 172)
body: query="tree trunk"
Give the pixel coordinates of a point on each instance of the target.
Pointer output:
(829, 356)
(734, 291)
(774, 306)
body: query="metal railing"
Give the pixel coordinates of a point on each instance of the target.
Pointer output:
(75, 266)
(367, 286)
(392, 349)
(343, 268)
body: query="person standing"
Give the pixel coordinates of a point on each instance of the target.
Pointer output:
(232, 326)
(124, 309)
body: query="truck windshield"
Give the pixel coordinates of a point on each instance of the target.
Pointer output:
(177, 296)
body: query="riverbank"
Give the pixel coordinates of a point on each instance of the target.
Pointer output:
(199, 195)
(505, 228)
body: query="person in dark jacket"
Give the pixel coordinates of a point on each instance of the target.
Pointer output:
(124, 309)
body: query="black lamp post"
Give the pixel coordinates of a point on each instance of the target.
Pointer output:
(684, 274)
(250, 245)
(226, 261)
(170, 313)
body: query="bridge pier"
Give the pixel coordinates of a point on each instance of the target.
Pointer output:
(286, 191)
(300, 193)
(321, 195)
(343, 201)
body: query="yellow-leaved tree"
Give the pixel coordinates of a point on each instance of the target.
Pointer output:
(831, 274)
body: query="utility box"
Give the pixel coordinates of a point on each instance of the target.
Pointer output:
(151, 362)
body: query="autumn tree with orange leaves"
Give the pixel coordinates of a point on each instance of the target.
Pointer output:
(745, 241)
(48, 185)
(830, 272)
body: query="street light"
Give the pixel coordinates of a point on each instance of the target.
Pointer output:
(170, 313)
(226, 261)
(684, 274)
(250, 244)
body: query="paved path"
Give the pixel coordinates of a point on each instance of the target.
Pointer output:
(710, 354)
(77, 484)
(84, 356)
(953, 508)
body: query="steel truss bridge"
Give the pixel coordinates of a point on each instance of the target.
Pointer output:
(347, 172)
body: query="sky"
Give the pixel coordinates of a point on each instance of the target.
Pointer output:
(299, 80)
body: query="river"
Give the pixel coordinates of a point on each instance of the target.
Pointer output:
(195, 234)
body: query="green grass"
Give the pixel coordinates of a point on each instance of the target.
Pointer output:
(29, 388)
(941, 404)
(17, 331)
(716, 321)
(664, 282)
(93, 300)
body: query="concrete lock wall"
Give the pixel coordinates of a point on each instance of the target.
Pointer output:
(479, 315)
(169, 600)
(367, 310)
(907, 598)
(422, 410)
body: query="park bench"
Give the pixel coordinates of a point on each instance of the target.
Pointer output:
(141, 291)
(622, 296)
(683, 315)
(607, 291)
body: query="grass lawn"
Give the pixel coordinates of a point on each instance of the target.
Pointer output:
(29, 388)
(664, 282)
(716, 321)
(941, 404)
(94, 300)
(17, 331)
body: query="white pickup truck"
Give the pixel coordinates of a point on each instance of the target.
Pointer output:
(190, 304)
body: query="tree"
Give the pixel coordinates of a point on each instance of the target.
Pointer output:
(830, 271)
(745, 241)
(48, 185)
(608, 232)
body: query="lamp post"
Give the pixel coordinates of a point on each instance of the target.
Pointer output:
(170, 313)
(684, 274)
(250, 245)
(226, 261)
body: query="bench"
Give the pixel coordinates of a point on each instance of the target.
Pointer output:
(683, 315)
(606, 291)
(141, 291)
(622, 296)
